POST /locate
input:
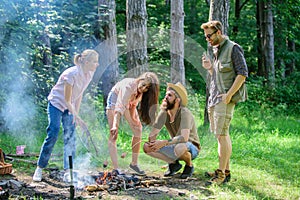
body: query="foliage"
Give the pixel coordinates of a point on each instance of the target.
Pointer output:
(284, 98)
(265, 128)
(71, 28)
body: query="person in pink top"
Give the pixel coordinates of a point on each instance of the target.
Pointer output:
(63, 106)
(136, 99)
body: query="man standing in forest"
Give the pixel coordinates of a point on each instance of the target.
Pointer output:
(179, 121)
(228, 71)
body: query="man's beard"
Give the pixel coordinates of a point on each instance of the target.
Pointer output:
(170, 105)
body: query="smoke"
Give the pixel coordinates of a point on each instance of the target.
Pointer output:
(18, 108)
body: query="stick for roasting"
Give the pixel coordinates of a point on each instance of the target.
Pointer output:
(86, 131)
(72, 191)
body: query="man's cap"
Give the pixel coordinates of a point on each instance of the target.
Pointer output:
(181, 91)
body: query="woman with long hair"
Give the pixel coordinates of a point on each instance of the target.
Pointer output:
(136, 99)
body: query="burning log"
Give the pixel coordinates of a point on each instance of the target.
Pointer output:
(112, 181)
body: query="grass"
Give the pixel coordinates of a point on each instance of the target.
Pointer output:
(265, 161)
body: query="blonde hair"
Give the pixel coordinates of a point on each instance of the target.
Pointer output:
(86, 54)
(216, 25)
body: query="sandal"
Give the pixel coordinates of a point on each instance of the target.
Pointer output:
(137, 169)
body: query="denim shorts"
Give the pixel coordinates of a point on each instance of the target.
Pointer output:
(111, 100)
(169, 151)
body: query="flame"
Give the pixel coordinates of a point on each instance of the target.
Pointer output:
(101, 180)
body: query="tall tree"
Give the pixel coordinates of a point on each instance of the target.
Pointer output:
(108, 53)
(219, 10)
(177, 42)
(266, 67)
(45, 40)
(237, 14)
(136, 36)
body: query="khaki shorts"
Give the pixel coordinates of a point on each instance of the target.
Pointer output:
(220, 117)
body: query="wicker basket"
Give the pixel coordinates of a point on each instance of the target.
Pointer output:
(5, 168)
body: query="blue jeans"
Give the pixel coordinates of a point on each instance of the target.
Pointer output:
(54, 118)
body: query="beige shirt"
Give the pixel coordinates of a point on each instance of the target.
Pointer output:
(128, 98)
(184, 119)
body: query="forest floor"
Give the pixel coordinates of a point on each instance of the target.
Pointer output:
(19, 185)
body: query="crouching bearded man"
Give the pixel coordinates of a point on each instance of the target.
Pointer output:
(184, 144)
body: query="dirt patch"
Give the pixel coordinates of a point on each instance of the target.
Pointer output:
(21, 186)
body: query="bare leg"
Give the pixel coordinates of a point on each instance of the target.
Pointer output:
(182, 152)
(112, 148)
(135, 145)
(136, 128)
(224, 150)
(161, 157)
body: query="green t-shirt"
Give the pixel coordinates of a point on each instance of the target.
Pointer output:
(184, 119)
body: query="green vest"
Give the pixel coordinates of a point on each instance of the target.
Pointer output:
(225, 74)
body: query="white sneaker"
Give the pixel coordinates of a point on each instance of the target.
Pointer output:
(37, 175)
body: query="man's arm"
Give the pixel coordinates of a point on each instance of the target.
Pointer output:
(238, 82)
(182, 138)
(153, 134)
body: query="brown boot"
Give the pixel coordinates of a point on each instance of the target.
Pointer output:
(212, 174)
(218, 178)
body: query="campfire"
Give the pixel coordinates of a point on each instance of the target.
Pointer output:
(110, 181)
(113, 181)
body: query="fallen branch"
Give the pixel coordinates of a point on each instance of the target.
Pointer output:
(147, 183)
(85, 131)
(22, 160)
(23, 155)
(29, 155)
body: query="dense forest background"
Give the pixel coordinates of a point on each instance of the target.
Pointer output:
(38, 40)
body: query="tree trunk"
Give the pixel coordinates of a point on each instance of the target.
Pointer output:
(177, 42)
(260, 67)
(108, 71)
(237, 14)
(291, 64)
(267, 41)
(44, 38)
(219, 10)
(136, 37)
